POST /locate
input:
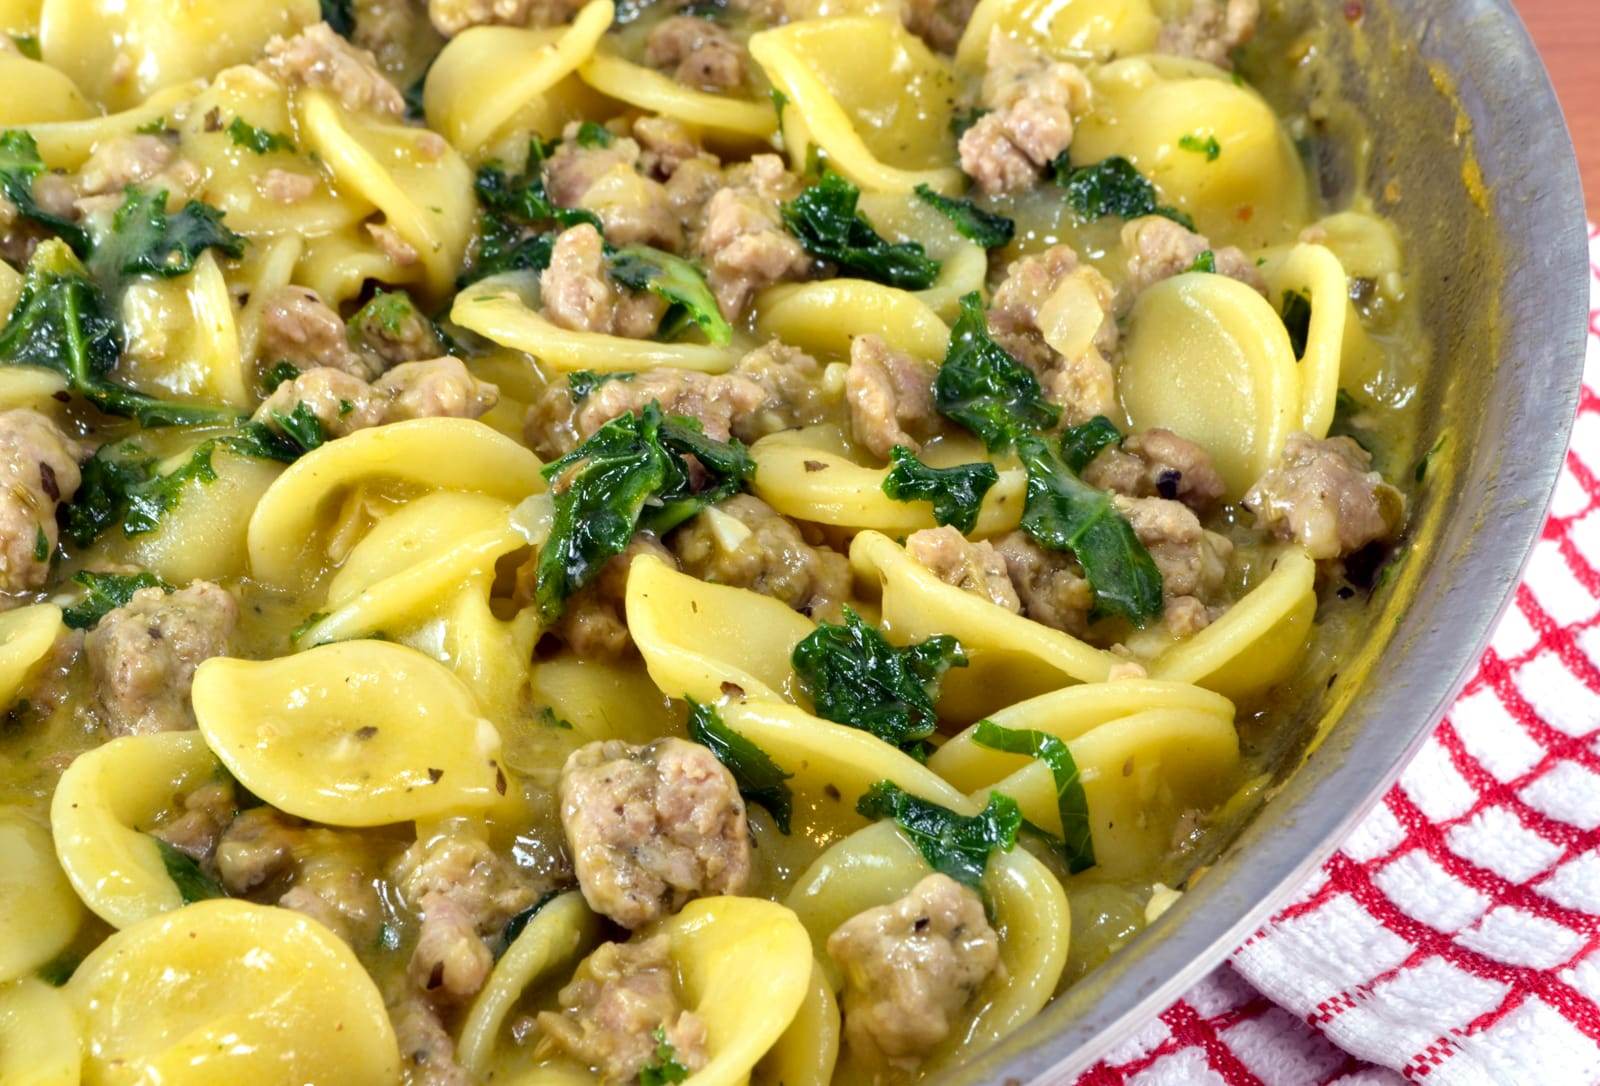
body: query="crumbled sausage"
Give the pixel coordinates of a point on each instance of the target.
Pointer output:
(940, 23)
(744, 245)
(972, 567)
(1031, 101)
(149, 160)
(399, 251)
(910, 967)
(387, 29)
(618, 999)
(318, 57)
(1211, 31)
(665, 146)
(299, 328)
(207, 810)
(38, 471)
(1159, 248)
(1157, 463)
(1193, 561)
(451, 17)
(143, 655)
(343, 404)
(793, 384)
(393, 330)
(576, 291)
(286, 186)
(651, 827)
(633, 208)
(697, 52)
(1022, 319)
(466, 893)
(744, 543)
(1325, 496)
(594, 625)
(427, 1053)
(890, 395)
(1049, 583)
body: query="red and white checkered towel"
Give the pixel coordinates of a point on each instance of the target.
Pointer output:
(1455, 937)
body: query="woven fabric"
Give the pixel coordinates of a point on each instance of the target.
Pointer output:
(1455, 937)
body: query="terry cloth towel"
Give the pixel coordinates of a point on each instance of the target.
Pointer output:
(1454, 939)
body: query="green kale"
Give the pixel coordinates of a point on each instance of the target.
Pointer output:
(856, 677)
(301, 427)
(591, 134)
(984, 388)
(630, 474)
(779, 100)
(1208, 146)
(1080, 444)
(953, 844)
(1420, 472)
(1064, 513)
(963, 119)
(103, 593)
(582, 382)
(1296, 314)
(58, 970)
(62, 322)
(244, 134)
(389, 318)
(20, 164)
(505, 247)
(415, 111)
(340, 15)
(193, 884)
(825, 220)
(519, 220)
(1112, 187)
(27, 45)
(146, 240)
(1205, 262)
(518, 923)
(157, 127)
(757, 775)
(971, 221)
(548, 718)
(1348, 419)
(277, 374)
(675, 280)
(41, 544)
(956, 492)
(664, 1070)
(1077, 843)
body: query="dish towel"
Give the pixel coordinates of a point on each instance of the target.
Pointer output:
(1454, 939)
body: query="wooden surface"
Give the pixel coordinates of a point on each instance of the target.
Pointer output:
(1568, 35)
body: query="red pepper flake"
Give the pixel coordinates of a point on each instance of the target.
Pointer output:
(1354, 10)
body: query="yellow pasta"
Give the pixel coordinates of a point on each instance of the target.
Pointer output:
(1079, 30)
(1315, 273)
(26, 635)
(317, 735)
(823, 317)
(33, 93)
(39, 913)
(39, 1036)
(653, 92)
(808, 1050)
(66, 144)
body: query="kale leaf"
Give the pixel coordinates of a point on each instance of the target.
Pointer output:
(603, 487)
(1208, 146)
(1080, 444)
(1077, 842)
(1296, 314)
(519, 221)
(340, 15)
(1112, 187)
(193, 884)
(1064, 513)
(984, 388)
(953, 844)
(757, 775)
(1205, 262)
(103, 593)
(665, 1069)
(582, 382)
(146, 240)
(956, 492)
(244, 134)
(591, 134)
(856, 677)
(825, 220)
(678, 282)
(20, 164)
(62, 322)
(971, 221)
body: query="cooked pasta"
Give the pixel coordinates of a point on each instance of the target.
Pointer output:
(577, 542)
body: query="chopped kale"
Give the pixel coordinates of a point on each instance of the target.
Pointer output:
(391, 316)
(779, 100)
(953, 844)
(757, 775)
(62, 322)
(963, 119)
(856, 677)
(1064, 513)
(1296, 314)
(1112, 187)
(632, 473)
(1420, 472)
(305, 627)
(41, 544)
(591, 134)
(516, 925)
(971, 221)
(277, 374)
(1208, 146)
(301, 426)
(1205, 262)
(244, 134)
(984, 388)
(825, 220)
(415, 110)
(664, 1070)
(105, 592)
(27, 45)
(58, 970)
(676, 281)
(956, 492)
(193, 884)
(516, 230)
(505, 247)
(340, 15)
(582, 382)
(549, 718)
(157, 127)
(20, 164)
(1080, 444)
(1347, 416)
(146, 240)
(1077, 843)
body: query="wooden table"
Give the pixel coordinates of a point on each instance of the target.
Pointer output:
(1568, 35)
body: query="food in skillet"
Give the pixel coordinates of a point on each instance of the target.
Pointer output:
(550, 543)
